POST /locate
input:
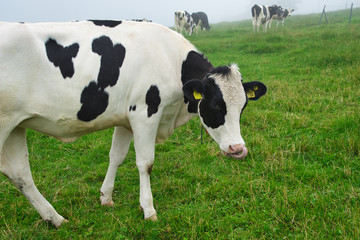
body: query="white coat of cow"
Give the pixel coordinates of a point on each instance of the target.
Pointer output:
(70, 79)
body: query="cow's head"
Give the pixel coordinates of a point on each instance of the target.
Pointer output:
(221, 98)
(287, 12)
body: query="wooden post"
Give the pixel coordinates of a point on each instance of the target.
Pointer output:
(351, 12)
(321, 17)
(323, 13)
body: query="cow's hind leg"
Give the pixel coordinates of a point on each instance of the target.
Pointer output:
(15, 165)
(265, 25)
(258, 25)
(254, 24)
(119, 148)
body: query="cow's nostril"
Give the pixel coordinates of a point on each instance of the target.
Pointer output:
(237, 151)
(237, 148)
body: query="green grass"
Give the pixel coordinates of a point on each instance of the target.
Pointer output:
(300, 180)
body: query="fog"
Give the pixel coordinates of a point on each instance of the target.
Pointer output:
(160, 11)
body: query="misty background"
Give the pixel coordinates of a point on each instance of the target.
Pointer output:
(160, 11)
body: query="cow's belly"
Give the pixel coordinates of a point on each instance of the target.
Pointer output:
(68, 130)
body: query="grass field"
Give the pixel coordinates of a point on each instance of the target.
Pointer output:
(300, 180)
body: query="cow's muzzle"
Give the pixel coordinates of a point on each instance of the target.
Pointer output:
(236, 151)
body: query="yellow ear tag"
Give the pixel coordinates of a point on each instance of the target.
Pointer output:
(197, 95)
(255, 88)
(250, 94)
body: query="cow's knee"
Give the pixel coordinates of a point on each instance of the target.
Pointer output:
(145, 165)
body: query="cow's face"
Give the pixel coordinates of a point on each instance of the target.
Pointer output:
(287, 12)
(221, 99)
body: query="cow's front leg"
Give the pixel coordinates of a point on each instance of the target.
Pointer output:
(119, 148)
(144, 143)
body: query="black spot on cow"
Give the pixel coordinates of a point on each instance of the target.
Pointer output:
(62, 56)
(255, 10)
(153, 100)
(112, 58)
(265, 11)
(212, 107)
(132, 108)
(195, 66)
(94, 102)
(106, 23)
(94, 98)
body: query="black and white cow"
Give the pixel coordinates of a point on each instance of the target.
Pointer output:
(70, 79)
(260, 14)
(200, 20)
(280, 15)
(183, 21)
(264, 15)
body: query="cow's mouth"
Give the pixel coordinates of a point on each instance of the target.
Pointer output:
(239, 155)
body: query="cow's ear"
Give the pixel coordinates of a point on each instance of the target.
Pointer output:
(193, 90)
(254, 90)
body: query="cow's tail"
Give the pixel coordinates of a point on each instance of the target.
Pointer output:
(254, 18)
(253, 11)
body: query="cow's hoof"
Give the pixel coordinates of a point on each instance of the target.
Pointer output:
(152, 218)
(65, 221)
(108, 204)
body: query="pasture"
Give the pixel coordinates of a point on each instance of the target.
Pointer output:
(300, 180)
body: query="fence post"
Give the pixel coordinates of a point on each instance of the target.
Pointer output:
(323, 13)
(351, 12)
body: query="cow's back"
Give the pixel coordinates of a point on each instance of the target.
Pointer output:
(50, 73)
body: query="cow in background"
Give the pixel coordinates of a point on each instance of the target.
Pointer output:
(263, 14)
(281, 14)
(260, 14)
(200, 20)
(183, 20)
(141, 20)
